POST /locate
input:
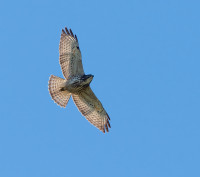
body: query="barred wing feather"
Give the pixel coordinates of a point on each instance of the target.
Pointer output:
(90, 107)
(70, 56)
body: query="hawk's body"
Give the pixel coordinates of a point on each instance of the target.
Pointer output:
(76, 83)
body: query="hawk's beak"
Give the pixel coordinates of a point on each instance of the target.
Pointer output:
(87, 76)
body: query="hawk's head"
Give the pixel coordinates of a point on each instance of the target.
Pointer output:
(87, 78)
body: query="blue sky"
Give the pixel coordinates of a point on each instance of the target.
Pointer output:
(145, 56)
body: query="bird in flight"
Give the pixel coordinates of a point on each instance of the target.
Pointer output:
(76, 83)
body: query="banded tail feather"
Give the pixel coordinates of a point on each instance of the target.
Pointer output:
(55, 89)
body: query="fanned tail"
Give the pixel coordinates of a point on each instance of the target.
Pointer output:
(55, 85)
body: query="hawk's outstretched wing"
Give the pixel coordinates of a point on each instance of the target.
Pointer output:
(90, 107)
(70, 55)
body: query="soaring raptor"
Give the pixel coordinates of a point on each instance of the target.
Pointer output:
(76, 83)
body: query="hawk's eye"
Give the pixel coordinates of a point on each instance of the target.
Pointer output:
(77, 47)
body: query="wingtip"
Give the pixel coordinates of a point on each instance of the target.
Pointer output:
(67, 31)
(63, 31)
(108, 116)
(76, 38)
(106, 126)
(71, 32)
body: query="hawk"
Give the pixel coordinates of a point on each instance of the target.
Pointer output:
(76, 83)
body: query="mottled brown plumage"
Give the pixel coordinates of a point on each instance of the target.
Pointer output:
(76, 83)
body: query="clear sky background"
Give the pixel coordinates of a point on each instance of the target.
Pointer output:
(145, 56)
